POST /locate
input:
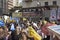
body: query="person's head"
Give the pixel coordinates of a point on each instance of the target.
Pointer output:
(1, 29)
(47, 19)
(16, 24)
(6, 28)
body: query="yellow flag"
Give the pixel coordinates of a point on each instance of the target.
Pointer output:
(33, 33)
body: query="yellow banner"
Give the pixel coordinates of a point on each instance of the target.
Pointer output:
(19, 14)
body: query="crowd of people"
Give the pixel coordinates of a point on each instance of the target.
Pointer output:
(15, 31)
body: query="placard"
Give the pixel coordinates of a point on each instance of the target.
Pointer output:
(55, 28)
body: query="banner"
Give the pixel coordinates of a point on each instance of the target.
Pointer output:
(58, 14)
(19, 14)
(53, 14)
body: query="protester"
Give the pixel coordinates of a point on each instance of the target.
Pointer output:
(39, 24)
(45, 29)
(18, 30)
(28, 30)
(12, 29)
(1, 33)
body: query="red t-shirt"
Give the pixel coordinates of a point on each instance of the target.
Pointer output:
(45, 28)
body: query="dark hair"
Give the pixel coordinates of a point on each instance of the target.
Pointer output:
(2, 27)
(40, 18)
(16, 24)
(47, 19)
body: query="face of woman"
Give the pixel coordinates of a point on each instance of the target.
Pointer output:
(17, 30)
(1, 30)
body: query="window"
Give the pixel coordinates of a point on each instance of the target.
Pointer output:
(46, 3)
(54, 2)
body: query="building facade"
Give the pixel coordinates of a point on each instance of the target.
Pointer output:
(15, 2)
(36, 3)
(3, 7)
(10, 4)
